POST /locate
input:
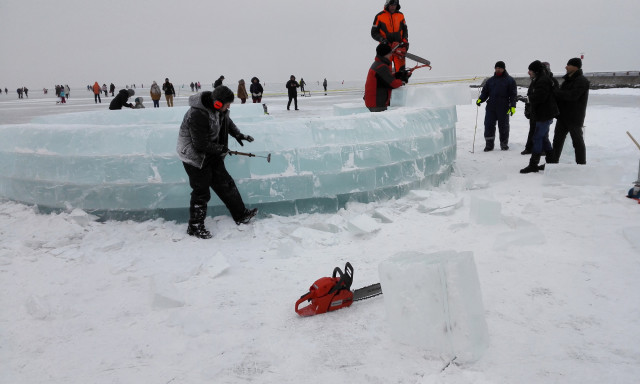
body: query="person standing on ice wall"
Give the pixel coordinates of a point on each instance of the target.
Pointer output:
(501, 91)
(380, 81)
(202, 147)
(572, 101)
(389, 27)
(543, 110)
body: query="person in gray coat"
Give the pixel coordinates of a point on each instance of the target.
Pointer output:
(202, 147)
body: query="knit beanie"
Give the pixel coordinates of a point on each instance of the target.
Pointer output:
(383, 50)
(223, 94)
(536, 66)
(500, 64)
(576, 62)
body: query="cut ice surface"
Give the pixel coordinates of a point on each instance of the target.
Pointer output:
(123, 164)
(434, 301)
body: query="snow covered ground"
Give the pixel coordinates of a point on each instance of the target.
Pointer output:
(128, 302)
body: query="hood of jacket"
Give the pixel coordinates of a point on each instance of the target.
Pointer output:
(202, 101)
(386, 6)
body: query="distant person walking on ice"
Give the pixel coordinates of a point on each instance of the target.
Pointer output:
(324, 84)
(256, 90)
(292, 88)
(501, 91)
(302, 84)
(96, 92)
(218, 82)
(155, 94)
(390, 27)
(169, 91)
(242, 91)
(202, 147)
(380, 81)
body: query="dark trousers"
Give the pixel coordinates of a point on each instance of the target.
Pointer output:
(295, 99)
(560, 134)
(156, 103)
(213, 175)
(532, 128)
(96, 97)
(490, 118)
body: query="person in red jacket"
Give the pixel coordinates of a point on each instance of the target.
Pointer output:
(96, 92)
(380, 81)
(390, 27)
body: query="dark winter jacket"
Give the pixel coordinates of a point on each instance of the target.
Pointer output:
(501, 92)
(204, 131)
(168, 89)
(120, 100)
(292, 87)
(380, 82)
(540, 95)
(572, 99)
(256, 88)
(217, 83)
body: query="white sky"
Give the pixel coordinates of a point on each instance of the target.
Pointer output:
(79, 42)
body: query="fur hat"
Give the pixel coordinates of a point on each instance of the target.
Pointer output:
(383, 50)
(223, 94)
(536, 66)
(576, 62)
(500, 64)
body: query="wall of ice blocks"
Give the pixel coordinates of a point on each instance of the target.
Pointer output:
(123, 164)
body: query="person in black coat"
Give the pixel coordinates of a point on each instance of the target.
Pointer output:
(292, 88)
(543, 110)
(572, 102)
(218, 82)
(121, 99)
(256, 90)
(501, 92)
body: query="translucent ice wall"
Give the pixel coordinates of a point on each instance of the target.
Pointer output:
(123, 164)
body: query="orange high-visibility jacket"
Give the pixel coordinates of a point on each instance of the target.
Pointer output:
(389, 26)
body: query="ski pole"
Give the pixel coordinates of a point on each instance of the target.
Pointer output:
(634, 140)
(268, 157)
(473, 146)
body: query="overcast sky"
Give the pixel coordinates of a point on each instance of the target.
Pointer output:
(77, 42)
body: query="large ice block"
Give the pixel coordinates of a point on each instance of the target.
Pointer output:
(434, 301)
(123, 164)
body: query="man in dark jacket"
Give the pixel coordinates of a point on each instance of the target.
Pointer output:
(501, 91)
(543, 110)
(218, 82)
(202, 146)
(292, 88)
(572, 102)
(169, 91)
(256, 90)
(380, 81)
(121, 99)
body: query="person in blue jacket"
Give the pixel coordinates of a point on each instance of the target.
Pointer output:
(500, 93)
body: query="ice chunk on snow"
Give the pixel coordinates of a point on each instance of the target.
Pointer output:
(434, 301)
(363, 224)
(164, 292)
(485, 210)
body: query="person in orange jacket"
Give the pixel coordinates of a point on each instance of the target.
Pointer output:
(96, 92)
(390, 27)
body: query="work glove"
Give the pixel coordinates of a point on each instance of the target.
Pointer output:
(511, 111)
(405, 44)
(478, 102)
(384, 41)
(241, 137)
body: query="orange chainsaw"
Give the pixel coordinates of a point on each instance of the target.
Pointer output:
(331, 293)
